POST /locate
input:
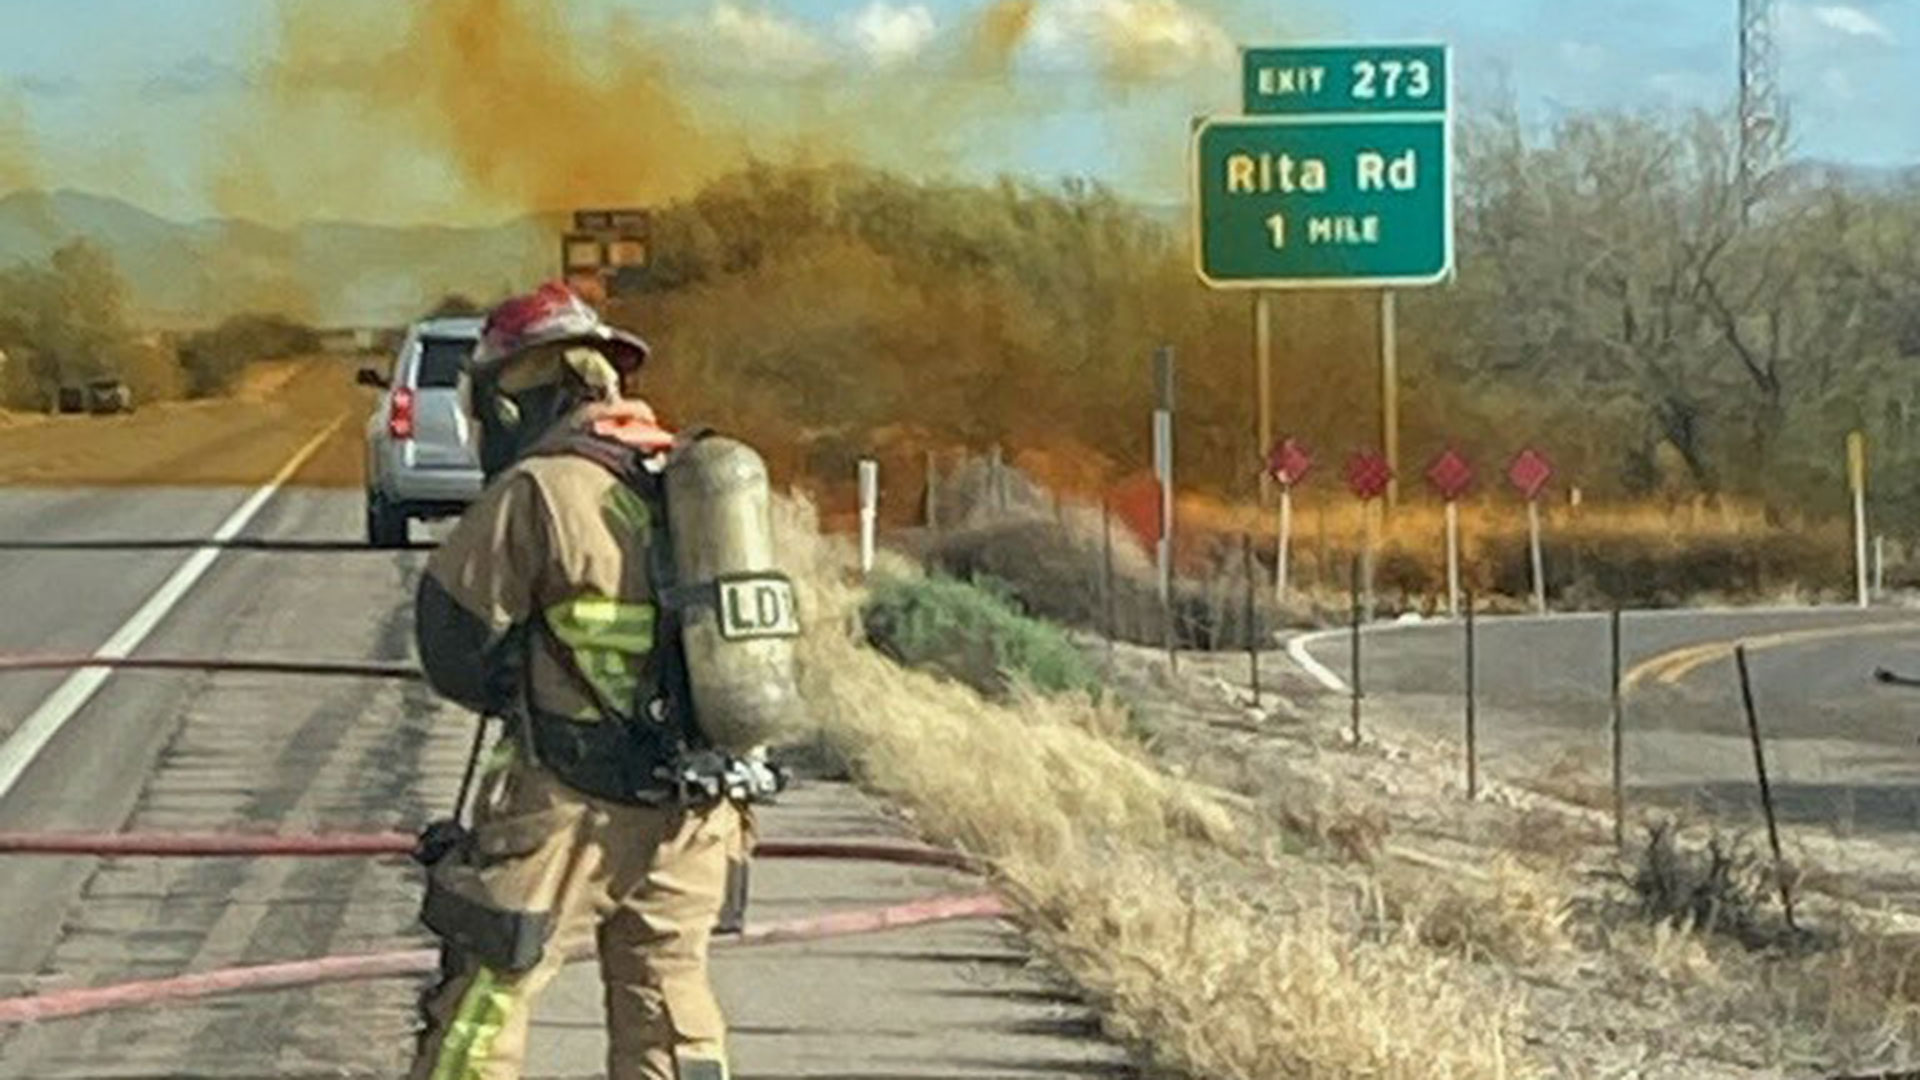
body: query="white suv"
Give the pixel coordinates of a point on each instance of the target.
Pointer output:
(422, 458)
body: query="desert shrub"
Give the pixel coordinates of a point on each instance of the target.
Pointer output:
(213, 359)
(1663, 569)
(1049, 555)
(63, 322)
(1722, 887)
(151, 371)
(973, 634)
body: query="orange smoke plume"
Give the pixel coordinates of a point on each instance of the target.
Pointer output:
(1002, 27)
(504, 105)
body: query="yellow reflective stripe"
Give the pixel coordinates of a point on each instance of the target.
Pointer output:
(601, 622)
(476, 1024)
(499, 758)
(608, 639)
(628, 510)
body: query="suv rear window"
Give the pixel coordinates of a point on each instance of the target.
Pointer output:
(440, 360)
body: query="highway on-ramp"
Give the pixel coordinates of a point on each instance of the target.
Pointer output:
(1844, 749)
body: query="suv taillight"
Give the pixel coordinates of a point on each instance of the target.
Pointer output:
(400, 414)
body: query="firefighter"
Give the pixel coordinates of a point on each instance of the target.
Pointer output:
(602, 818)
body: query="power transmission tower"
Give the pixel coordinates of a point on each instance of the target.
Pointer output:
(1761, 119)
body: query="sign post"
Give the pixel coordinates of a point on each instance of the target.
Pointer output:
(1263, 380)
(1857, 482)
(1451, 475)
(600, 246)
(1368, 475)
(1529, 473)
(1287, 463)
(1390, 395)
(1339, 175)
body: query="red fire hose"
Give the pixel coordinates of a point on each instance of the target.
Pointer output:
(328, 969)
(254, 845)
(63, 1004)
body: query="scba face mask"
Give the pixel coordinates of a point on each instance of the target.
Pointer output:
(508, 425)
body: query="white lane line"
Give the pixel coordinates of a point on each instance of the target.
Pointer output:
(1297, 649)
(38, 729)
(1299, 644)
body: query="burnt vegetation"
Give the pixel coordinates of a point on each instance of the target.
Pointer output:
(1611, 307)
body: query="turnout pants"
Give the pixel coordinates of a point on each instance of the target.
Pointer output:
(643, 884)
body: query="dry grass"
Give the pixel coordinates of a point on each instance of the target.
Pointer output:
(1341, 921)
(1512, 914)
(228, 440)
(1136, 879)
(1644, 554)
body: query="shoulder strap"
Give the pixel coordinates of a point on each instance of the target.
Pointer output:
(624, 462)
(663, 669)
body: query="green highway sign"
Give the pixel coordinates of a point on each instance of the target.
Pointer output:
(1341, 179)
(1330, 202)
(1345, 79)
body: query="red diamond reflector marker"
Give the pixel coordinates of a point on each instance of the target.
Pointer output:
(1450, 474)
(1288, 462)
(1368, 475)
(1530, 472)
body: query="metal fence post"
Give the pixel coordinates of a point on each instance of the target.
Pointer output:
(1766, 790)
(933, 494)
(1106, 576)
(1472, 695)
(1616, 729)
(1253, 635)
(1354, 591)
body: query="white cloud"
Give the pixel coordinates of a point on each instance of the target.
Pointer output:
(1147, 37)
(762, 37)
(1852, 22)
(890, 34)
(1827, 28)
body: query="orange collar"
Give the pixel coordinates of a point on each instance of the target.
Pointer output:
(631, 423)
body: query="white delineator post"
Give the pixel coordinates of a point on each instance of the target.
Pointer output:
(1453, 558)
(1539, 567)
(869, 512)
(1283, 545)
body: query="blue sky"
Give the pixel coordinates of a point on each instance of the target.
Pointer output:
(131, 97)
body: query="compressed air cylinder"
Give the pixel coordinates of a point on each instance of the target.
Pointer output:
(739, 630)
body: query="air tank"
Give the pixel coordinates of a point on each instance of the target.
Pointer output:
(739, 624)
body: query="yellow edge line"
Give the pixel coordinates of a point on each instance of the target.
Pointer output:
(1669, 668)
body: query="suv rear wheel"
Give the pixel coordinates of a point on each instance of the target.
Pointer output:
(386, 523)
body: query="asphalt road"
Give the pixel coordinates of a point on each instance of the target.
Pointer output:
(63, 598)
(201, 752)
(195, 752)
(1843, 750)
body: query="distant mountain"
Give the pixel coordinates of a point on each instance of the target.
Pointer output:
(1854, 176)
(331, 273)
